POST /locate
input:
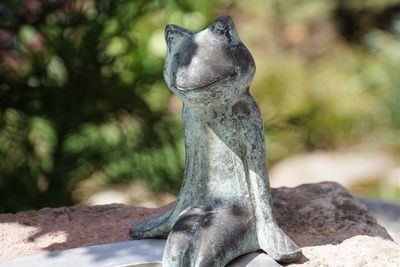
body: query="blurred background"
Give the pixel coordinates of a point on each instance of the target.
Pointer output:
(85, 116)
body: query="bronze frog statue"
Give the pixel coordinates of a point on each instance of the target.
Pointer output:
(224, 207)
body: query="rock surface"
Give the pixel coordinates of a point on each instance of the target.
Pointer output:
(387, 215)
(356, 251)
(51, 229)
(332, 227)
(323, 213)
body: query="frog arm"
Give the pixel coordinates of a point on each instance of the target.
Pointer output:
(270, 237)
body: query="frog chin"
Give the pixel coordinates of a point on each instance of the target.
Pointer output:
(185, 89)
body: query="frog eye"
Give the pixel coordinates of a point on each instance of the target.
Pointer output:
(174, 34)
(224, 29)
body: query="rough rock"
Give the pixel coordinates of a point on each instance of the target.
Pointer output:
(332, 227)
(51, 229)
(323, 213)
(357, 251)
(387, 215)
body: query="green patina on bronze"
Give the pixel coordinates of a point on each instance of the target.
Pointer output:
(224, 207)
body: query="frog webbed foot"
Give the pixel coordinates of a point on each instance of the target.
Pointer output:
(277, 244)
(209, 236)
(155, 227)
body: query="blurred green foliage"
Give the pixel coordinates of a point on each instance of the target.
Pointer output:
(81, 89)
(81, 92)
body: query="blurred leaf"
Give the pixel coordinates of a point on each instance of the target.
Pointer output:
(56, 71)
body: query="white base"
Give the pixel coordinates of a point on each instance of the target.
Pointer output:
(137, 253)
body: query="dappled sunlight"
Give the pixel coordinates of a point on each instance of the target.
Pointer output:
(12, 239)
(47, 230)
(25, 236)
(49, 241)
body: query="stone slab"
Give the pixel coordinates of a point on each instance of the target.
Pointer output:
(130, 253)
(138, 253)
(254, 259)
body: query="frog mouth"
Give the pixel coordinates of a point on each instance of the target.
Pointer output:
(191, 88)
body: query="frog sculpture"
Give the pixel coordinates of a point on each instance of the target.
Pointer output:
(224, 207)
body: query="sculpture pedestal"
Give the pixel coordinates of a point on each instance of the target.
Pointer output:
(138, 253)
(327, 222)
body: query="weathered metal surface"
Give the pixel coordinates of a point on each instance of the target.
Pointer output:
(224, 207)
